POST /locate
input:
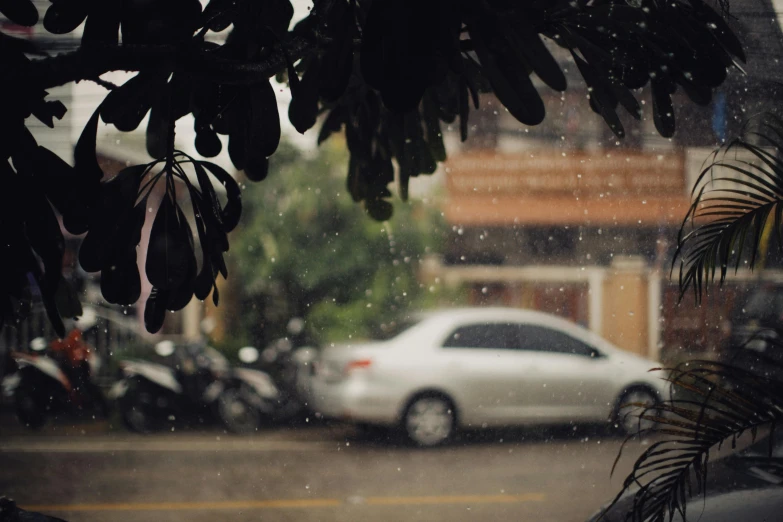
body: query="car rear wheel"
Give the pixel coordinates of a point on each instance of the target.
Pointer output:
(631, 405)
(429, 420)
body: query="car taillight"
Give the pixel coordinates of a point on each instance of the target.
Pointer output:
(357, 364)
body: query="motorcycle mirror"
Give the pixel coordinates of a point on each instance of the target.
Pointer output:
(248, 354)
(269, 355)
(164, 348)
(283, 345)
(295, 326)
(305, 355)
(38, 344)
(87, 320)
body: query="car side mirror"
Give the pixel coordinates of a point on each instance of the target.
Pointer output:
(248, 354)
(164, 348)
(38, 344)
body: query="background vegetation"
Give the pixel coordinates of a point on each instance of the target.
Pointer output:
(364, 274)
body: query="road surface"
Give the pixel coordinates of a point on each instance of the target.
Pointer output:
(310, 474)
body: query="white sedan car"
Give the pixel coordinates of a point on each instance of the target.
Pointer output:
(478, 368)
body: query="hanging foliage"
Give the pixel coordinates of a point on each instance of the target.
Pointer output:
(387, 73)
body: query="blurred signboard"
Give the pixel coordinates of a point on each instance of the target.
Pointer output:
(603, 175)
(554, 188)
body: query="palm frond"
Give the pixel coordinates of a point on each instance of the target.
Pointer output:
(736, 196)
(712, 403)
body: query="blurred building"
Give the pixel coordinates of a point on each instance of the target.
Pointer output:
(565, 218)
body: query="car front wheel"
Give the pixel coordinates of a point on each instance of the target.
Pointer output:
(633, 404)
(429, 421)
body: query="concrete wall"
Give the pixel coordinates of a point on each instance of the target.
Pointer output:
(625, 306)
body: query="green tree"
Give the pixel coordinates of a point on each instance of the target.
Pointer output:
(357, 274)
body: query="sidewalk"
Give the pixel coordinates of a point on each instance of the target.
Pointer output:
(10, 426)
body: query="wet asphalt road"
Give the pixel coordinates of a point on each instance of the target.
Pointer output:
(324, 473)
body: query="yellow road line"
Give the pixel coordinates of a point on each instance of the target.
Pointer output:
(305, 503)
(190, 506)
(459, 499)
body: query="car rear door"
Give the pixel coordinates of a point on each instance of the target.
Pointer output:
(486, 372)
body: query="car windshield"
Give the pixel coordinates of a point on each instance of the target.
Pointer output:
(347, 260)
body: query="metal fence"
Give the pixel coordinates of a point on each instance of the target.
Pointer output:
(113, 335)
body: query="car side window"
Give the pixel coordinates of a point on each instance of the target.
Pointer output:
(488, 336)
(542, 339)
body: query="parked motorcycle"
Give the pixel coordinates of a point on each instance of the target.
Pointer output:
(199, 386)
(286, 364)
(43, 386)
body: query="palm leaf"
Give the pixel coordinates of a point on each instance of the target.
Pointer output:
(734, 198)
(712, 404)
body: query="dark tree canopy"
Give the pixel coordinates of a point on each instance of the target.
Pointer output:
(387, 73)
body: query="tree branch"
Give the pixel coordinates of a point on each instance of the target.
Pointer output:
(87, 63)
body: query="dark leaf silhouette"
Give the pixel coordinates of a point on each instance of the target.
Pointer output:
(257, 169)
(158, 126)
(712, 403)
(303, 110)
(167, 256)
(126, 107)
(218, 14)
(510, 83)
(21, 12)
(387, 73)
(31, 239)
(120, 278)
(399, 52)
(48, 111)
(155, 310)
(208, 143)
(736, 198)
(230, 213)
(121, 282)
(264, 122)
(159, 22)
(663, 110)
(46, 239)
(65, 15)
(116, 202)
(85, 161)
(379, 209)
(336, 65)
(103, 24)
